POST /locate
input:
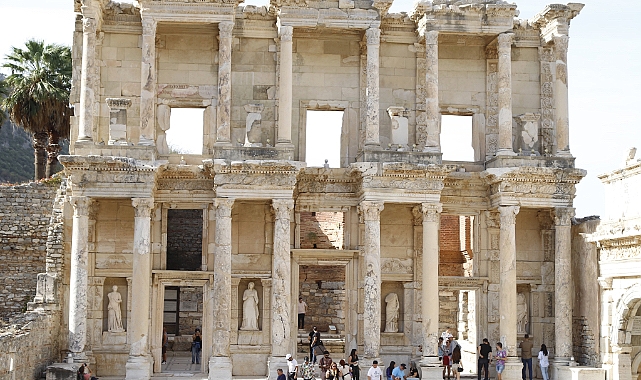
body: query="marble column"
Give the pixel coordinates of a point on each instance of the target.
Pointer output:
(505, 95)
(432, 110)
(78, 277)
(88, 80)
(563, 283)
(429, 290)
(372, 140)
(139, 363)
(561, 111)
(281, 286)
(285, 86)
(223, 111)
(507, 291)
(371, 212)
(148, 83)
(220, 366)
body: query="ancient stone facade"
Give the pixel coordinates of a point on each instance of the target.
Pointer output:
(619, 250)
(255, 72)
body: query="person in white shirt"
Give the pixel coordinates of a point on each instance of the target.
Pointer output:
(292, 367)
(302, 310)
(375, 373)
(544, 363)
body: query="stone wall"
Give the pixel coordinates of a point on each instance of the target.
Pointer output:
(322, 230)
(455, 245)
(323, 288)
(184, 239)
(449, 311)
(24, 220)
(191, 310)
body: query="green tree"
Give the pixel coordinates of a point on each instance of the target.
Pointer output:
(4, 91)
(38, 98)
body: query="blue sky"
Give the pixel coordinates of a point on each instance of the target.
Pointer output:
(604, 65)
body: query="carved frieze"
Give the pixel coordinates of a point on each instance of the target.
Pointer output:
(396, 266)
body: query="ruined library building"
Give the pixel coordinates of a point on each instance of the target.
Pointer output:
(388, 244)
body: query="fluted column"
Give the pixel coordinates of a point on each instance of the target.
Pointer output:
(139, 363)
(220, 364)
(88, 80)
(223, 112)
(148, 83)
(563, 283)
(505, 95)
(507, 291)
(373, 36)
(285, 86)
(432, 110)
(561, 110)
(281, 285)
(371, 212)
(78, 277)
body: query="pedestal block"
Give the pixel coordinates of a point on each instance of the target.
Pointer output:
(513, 367)
(274, 363)
(219, 368)
(139, 367)
(430, 369)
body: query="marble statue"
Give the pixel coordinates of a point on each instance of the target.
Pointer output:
(114, 316)
(250, 308)
(391, 313)
(521, 313)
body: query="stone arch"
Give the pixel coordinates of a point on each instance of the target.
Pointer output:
(625, 310)
(636, 363)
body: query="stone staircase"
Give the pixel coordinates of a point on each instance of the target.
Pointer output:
(334, 343)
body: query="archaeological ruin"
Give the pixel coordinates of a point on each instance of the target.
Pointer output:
(389, 245)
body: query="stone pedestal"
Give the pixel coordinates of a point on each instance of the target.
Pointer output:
(513, 367)
(273, 364)
(371, 212)
(223, 113)
(430, 368)
(62, 371)
(139, 367)
(579, 373)
(373, 36)
(285, 87)
(431, 137)
(505, 95)
(219, 368)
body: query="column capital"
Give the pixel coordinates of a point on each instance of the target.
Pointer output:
(373, 36)
(149, 25)
(225, 29)
(431, 37)
(508, 214)
(89, 25)
(563, 216)
(80, 205)
(561, 47)
(286, 33)
(282, 208)
(431, 212)
(223, 207)
(371, 210)
(142, 206)
(505, 40)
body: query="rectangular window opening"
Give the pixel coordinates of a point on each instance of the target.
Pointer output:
(456, 247)
(456, 138)
(185, 134)
(323, 138)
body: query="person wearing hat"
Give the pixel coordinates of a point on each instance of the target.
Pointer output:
(292, 367)
(375, 372)
(399, 372)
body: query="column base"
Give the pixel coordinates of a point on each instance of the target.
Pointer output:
(431, 368)
(563, 153)
(138, 368)
(144, 141)
(274, 363)
(432, 149)
(557, 365)
(513, 367)
(285, 144)
(505, 152)
(219, 368)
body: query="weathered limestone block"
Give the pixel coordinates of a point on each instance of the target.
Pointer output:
(400, 128)
(118, 120)
(253, 119)
(528, 133)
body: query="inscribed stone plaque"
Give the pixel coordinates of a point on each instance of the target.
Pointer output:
(189, 306)
(636, 326)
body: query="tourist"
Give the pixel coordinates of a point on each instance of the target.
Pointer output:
(543, 361)
(292, 367)
(88, 374)
(441, 350)
(353, 363)
(500, 360)
(333, 373)
(302, 310)
(196, 346)
(485, 356)
(281, 375)
(413, 371)
(80, 374)
(526, 355)
(165, 344)
(307, 369)
(388, 371)
(324, 364)
(345, 370)
(314, 340)
(374, 372)
(456, 362)
(446, 359)
(446, 334)
(399, 372)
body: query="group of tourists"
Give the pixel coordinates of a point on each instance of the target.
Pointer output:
(485, 358)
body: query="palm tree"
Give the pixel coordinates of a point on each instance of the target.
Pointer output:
(4, 91)
(38, 99)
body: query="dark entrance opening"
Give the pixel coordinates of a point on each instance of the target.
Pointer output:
(184, 239)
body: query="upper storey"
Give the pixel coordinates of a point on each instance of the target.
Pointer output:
(256, 72)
